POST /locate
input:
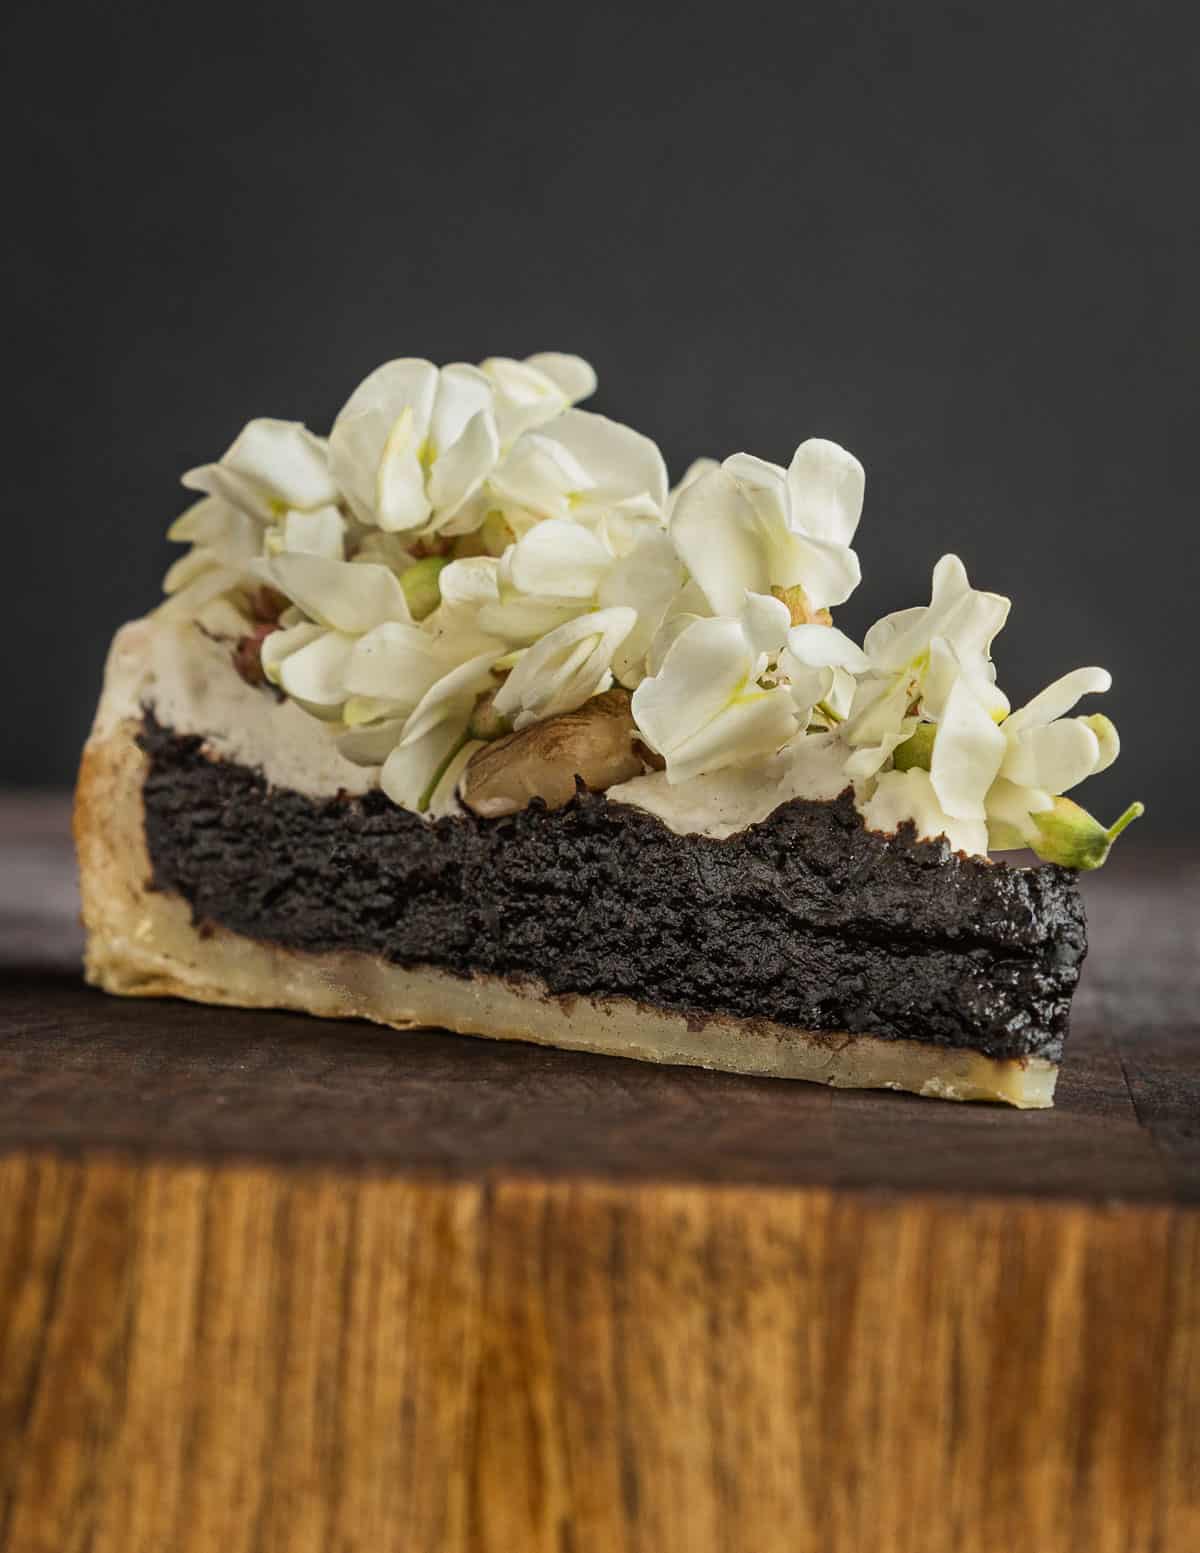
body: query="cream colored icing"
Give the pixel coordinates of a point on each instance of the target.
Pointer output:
(188, 680)
(186, 677)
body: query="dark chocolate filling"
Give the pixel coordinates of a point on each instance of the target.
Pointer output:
(806, 918)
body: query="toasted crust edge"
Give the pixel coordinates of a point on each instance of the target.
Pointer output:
(142, 942)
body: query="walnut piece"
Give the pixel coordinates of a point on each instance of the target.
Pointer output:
(594, 743)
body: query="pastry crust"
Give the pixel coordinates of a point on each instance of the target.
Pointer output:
(143, 943)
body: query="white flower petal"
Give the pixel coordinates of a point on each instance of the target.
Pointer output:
(881, 707)
(766, 622)
(320, 532)
(462, 393)
(1107, 739)
(673, 626)
(971, 624)
(706, 667)
(444, 798)
(895, 640)
(407, 383)
(316, 673)
(693, 472)
(967, 753)
(1055, 757)
(968, 618)
(465, 587)
(360, 710)
(808, 686)
(395, 662)
(401, 501)
(1058, 699)
(828, 572)
(1009, 808)
(764, 484)
(647, 580)
(621, 528)
(871, 758)
(619, 461)
(947, 666)
(286, 459)
(207, 584)
(183, 572)
(840, 696)
(454, 693)
(559, 559)
(271, 466)
(574, 377)
(538, 476)
(410, 773)
(371, 745)
(340, 594)
(757, 724)
(529, 393)
(815, 660)
(719, 538)
(825, 646)
(826, 484)
(278, 645)
(465, 465)
(910, 795)
(356, 446)
(565, 668)
(522, 619)
(212, 522)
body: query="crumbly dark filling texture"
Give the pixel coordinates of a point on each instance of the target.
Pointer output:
(806, 918)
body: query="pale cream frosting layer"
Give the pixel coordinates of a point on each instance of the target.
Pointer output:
(187, 679)
(185, 676)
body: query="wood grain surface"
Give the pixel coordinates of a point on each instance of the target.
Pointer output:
(269, 1283)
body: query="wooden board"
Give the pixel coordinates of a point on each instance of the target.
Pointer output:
(267, 1282)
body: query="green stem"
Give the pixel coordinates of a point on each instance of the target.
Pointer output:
(828, 713)
(426, 797)
(1134, 812)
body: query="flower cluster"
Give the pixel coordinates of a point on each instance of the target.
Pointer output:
(468, 554)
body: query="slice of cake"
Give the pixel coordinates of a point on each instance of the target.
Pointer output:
(462, 718)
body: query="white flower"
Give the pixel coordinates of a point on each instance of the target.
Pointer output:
(751, 526)
(693, 472)
(964, 619)
(557, 571)
(319, 532)
(392, 667)
(271, 488)
(705, 709)
(343, 601)
(413, 445)
(902, 796)
(224, 542)
(434, 733)
(819, 664)
(531, 392)
(583, 467)
(565, 668)
(987, 782)
(915, 656)
(1046, 754)
(273, 467)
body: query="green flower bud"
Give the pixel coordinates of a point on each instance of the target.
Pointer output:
(420, 584)
(916, 753)
(1069, 835)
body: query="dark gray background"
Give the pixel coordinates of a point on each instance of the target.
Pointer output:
(959, 239)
